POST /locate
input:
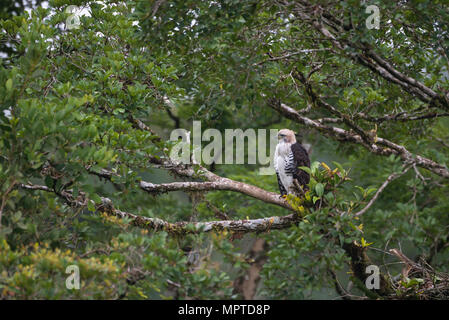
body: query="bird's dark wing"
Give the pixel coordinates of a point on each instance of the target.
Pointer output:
(300, 159)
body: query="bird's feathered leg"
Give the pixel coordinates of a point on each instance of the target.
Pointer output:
(281, 187)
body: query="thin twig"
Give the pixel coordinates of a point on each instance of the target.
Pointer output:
(290, 55)
(390, 178)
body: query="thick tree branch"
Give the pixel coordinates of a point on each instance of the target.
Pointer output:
(359, 262)
(401, 116)
(380, 146)
(215, 183)
(106, 205)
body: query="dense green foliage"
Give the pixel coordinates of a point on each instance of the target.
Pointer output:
(68, 97)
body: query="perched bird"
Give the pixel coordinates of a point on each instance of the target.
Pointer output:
(290, 155)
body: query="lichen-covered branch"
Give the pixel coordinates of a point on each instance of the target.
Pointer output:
(215, 183)
(182, 227)
(223, 184)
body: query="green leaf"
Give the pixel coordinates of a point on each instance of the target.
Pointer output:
(339, 166)
(91, 206)
(370, 190)
(319, 189)
(306, 169)
(314, 167)
(8, 84)
(96, 198)
(48, 181)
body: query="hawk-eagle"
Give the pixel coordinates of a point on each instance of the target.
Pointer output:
(290, 155)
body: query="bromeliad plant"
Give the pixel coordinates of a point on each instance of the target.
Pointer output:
(322, 189)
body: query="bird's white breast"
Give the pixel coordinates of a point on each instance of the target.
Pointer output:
(281, 161)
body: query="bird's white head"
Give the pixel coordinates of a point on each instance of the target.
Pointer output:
(286, 136)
